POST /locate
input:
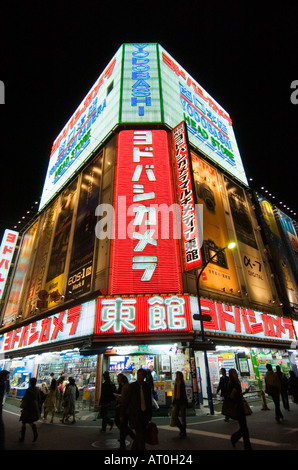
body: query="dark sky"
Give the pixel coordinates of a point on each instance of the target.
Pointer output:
(243, 53)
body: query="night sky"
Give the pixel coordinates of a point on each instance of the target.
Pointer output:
(243, 53)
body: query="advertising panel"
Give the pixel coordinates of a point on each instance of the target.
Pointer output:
(141, 99)
(209, 126)
(68, 324)
(220, 274)
(290, 237)
(279, 252)
(258, 287)
(7, 248)
(92, 121)
(144, 251)
(81, 262)
(15, 295)
(190, 230)
(40, 263)
(238, 321)
(60, 246)
(142, 314)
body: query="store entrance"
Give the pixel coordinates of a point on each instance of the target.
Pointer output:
(161, 361)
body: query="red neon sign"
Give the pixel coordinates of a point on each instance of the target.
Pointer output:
(189, 220)
(144, 249)
(143, 314)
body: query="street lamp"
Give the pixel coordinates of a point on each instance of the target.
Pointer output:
(203, 318)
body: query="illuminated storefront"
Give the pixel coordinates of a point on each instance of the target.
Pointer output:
(145, 183)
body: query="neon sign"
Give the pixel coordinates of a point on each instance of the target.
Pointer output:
(144, 260)
(189, 220)
(7, 248)
(72, 323)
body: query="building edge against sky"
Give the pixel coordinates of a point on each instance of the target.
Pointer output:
(148, 135)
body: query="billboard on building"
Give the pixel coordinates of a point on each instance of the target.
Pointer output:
(81, 261)
(37, 278)
(86, 130)
(7, 248)
(19, 277)
(142, 84)
(61, 243)
(220, 274)
(144, 245)
(279, 252)
(209, 126)
(191, 231)
(254, 269)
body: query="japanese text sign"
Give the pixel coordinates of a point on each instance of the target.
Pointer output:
(189, 220)
(7, 248)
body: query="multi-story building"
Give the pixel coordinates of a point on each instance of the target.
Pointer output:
(145, 189)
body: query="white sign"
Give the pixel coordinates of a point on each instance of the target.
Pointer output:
(7, 248)
(89, 125)
(72, 323)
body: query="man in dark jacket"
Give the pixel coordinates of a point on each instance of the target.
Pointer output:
(137, 405)
(4, 375)
(107, 397)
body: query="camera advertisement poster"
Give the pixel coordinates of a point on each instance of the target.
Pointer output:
(221, 273)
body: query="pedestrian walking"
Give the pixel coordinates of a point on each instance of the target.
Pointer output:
(293, 386)
(69, 400)
(235, 397)
(137, 405)
(4, 376)
(107, 398)
(273, 388)
(180, 404)
(51, 401)
(223, 386)
(30, 406)
(123, 425)
(43, 395)
(283, 388)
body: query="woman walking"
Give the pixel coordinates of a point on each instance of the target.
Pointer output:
(52, 400)
(234, 395)
(69, 400)
(30, 409)
(180, 404)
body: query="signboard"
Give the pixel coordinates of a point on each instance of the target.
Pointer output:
(256, 277)
(191, 240)
(209, 126)
(20, 273)
(237, 321)
(144, 251)
(279, 252)
(7, 248)
(72, 323)
(141, 98)
(92, 121)
(220, 274)
(142, 84)
(142, 314)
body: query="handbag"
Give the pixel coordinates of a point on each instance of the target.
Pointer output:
(246, 407)
(230, 409)
(173, 418)
(152, 434)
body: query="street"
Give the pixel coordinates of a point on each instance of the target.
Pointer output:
(204, 432)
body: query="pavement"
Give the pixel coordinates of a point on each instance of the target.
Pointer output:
(204, 432)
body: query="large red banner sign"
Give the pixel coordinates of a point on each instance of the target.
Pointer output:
(145, 254)
(189, 217)
(143, 314)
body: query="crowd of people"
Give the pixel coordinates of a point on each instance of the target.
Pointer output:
(131, 403)
(277, 386)
(54, 395)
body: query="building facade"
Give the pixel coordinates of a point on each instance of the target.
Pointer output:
(145, 188)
